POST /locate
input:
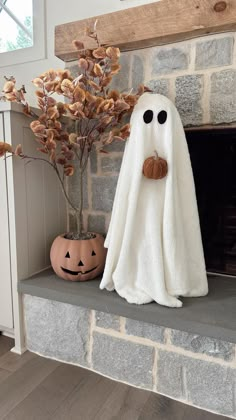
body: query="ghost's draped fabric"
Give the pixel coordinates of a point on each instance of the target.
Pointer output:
(154, 240)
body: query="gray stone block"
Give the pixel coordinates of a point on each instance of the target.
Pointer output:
(123, 360)
(116, 146)
(211, 386)
(170, 60)
(159, 86)
(103, 192)
(74, 187)
(142, 329)
(205, 345)
(111, 164)
(105, 320)
(73, 67)
(214, 53)
(96, 223)
(137, 72)
(121, 80)
(56, 329)
(169, 374)
(72, 223)
(204, 384)
(223, 97)
(188, 98)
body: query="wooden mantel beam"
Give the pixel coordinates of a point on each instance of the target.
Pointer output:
(149, 25)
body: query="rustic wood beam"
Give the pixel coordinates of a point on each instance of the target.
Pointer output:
(153, 24)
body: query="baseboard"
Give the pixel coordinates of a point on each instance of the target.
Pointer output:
(19, 351)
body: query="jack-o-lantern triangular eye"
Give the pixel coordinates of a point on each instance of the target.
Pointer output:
(67, 255)
(93, 253)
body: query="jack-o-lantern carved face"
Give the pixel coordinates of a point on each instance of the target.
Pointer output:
(78, 260)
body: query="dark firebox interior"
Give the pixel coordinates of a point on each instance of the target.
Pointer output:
(213, 157)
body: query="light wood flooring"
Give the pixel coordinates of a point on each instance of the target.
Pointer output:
(35, 388)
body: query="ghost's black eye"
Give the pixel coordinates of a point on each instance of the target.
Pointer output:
(162, 117)
(148, 116)
(67, 255)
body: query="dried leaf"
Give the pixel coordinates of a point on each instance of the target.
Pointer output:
(131, 100)
(39, 93)
(106, 119)
(73, 138)
(38, 82)
(18, 150)
(52, 112)
(94, 85)
(67, 85)
(61, 108)
(90, 98)
(114, 94)
(115, 68)
(52, 155)
(38, 129)
(61, 160)
(83, 64)
(79, 94)
(27, 110)
(121, 106)
(98, 70)
(90, 65)
(11, 96)
(51, 101)
(140, 90)
(105, 82)
(99, 52)
(51, 144)
(8, 87)
(78, 45)
(52, 74)
(147, 89)
(125, 131)
(68, 169)
(103, 151)
(34, 124)
(107, 138)
(113, 53)
(4, 148)
(49, 86)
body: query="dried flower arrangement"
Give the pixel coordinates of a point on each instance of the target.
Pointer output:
(98, 113)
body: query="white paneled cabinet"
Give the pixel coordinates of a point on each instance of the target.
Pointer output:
(32, 214)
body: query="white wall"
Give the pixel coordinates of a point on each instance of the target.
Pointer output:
(58, 12)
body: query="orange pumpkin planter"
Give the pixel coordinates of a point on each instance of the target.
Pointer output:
(78, 260)
(155, 167)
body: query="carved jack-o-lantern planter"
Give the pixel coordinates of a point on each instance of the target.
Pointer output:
(155, 167)
(78, 260)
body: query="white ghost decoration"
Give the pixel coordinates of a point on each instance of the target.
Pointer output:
(154, 241)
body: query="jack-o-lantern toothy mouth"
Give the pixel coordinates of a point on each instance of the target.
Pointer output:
(75, 273)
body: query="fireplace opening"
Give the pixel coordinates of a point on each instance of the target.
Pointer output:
(213, 157)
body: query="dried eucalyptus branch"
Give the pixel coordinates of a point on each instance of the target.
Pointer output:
(89, 112)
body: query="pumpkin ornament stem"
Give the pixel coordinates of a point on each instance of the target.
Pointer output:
(155, 167)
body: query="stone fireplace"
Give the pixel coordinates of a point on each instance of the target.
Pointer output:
(198, 75)
(187, 354)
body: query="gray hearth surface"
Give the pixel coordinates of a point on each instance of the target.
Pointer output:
(211, 316)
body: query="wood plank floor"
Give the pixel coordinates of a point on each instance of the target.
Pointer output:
(35, 388)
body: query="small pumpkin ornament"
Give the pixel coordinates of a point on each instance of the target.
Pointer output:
(155, 167)
(78, 259)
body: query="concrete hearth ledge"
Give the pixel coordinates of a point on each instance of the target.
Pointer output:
(211, 316)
